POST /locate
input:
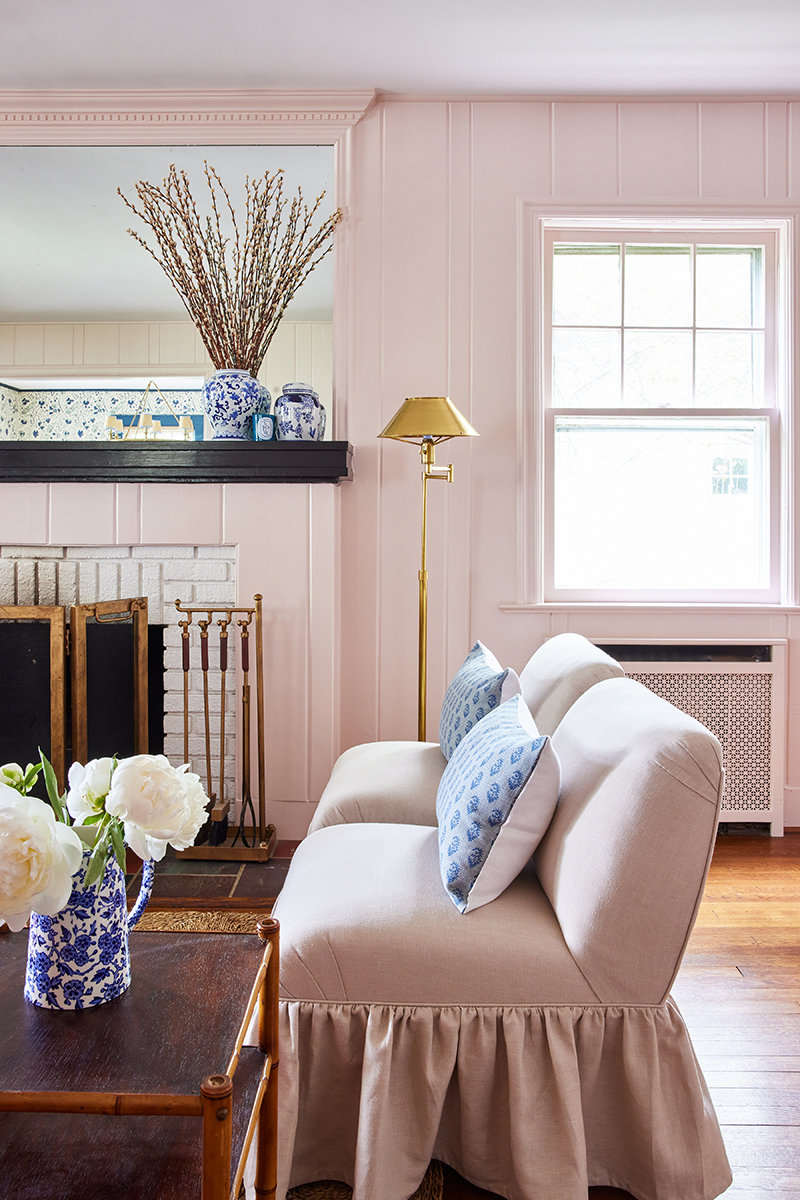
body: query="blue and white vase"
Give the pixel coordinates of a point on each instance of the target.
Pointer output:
(231, 399)
(300, 416)
(80, 957)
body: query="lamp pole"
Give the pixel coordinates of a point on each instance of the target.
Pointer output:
(427, 453)
(423, 421)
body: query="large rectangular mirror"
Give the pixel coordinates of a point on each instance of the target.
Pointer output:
(87, 317)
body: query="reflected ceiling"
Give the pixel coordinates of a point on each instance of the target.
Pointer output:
(65, 254)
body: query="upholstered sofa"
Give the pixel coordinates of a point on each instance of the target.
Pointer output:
(398, 781)
(532, 1044)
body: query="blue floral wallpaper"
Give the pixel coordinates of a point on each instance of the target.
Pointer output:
(65, 415)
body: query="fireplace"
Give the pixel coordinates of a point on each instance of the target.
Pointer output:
(67, 576)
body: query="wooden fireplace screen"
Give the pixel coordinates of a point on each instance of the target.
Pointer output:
(40, 653)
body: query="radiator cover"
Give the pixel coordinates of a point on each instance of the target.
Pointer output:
(744, 705)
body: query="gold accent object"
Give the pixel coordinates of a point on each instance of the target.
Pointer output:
(264, 835)
(425, 421)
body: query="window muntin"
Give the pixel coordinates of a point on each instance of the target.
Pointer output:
(643, 504)
(657, 324)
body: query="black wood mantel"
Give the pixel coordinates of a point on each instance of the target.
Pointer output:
(168, 462)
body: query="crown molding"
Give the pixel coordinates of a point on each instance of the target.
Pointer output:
(274, 117)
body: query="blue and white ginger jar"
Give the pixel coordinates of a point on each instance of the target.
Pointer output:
(231, 399)
(80, 957)
(300, 416)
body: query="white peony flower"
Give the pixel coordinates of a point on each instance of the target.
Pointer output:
(197, 802)
(38, 857)
(88, 787)
(156, 803)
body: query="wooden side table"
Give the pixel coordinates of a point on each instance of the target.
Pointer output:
(168, 1054)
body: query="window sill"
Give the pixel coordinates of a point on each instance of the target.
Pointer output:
(622, 606)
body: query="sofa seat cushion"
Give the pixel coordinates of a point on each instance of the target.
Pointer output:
(383, 781)
(364, 918)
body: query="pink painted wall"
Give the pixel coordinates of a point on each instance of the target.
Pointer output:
(433, 213)
(429, 298)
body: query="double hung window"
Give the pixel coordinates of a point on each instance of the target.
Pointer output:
(661, 373)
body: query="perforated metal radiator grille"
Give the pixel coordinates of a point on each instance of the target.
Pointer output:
(737, 707)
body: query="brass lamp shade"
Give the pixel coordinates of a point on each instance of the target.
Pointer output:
(429, 417)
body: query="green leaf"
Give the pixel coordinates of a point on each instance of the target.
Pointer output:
(57, 802)
(97, 862)
(118, 841)
(31, 775)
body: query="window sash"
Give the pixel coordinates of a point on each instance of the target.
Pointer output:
(648, 417)
(712, 237)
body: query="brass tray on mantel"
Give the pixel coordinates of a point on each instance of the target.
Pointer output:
(168, 462)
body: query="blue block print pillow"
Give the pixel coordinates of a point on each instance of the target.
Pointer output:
(496, 798)
(479, 685)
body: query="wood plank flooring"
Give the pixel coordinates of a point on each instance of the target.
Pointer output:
(739, 991)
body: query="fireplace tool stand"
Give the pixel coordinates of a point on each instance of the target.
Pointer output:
(256, 843)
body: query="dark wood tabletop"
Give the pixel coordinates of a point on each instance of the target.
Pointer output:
(175, 1025)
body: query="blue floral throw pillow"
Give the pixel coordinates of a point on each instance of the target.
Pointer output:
(496, 798)
(479, 685)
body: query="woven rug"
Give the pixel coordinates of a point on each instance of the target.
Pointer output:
(179, 920)
(431, 1188)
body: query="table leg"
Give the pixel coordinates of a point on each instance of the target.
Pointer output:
(216, 1093)
(267, 1154)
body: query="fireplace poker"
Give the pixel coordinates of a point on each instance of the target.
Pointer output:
(185, 648)
(247, 800)
(219, 826)
(205, 832)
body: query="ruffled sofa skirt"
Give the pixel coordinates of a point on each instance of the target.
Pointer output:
(532, 1103)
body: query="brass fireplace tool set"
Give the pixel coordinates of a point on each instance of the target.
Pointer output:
(217, 844)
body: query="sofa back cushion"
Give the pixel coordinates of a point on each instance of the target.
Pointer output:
(625, 857)
(559, 672)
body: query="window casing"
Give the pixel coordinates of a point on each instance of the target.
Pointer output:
(661, 384)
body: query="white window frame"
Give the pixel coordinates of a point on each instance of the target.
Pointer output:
(539, 228)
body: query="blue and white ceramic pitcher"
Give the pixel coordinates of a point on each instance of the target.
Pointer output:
(80, 957)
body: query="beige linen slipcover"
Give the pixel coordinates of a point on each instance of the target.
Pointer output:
(531, 1044)
(398, 781)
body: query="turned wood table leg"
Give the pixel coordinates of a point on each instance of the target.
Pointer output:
(216, 1092)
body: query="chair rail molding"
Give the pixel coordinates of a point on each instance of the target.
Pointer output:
(275, 116)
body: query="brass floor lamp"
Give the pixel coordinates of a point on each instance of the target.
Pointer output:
(425, 421)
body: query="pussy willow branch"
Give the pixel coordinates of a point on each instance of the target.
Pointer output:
(234, 285)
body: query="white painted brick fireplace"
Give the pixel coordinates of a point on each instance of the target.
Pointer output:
(67, 575)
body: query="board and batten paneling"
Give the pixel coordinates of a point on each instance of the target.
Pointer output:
(300, 350)
(437, 306)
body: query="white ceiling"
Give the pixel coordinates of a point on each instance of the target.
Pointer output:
(539, 46)
(56, 239)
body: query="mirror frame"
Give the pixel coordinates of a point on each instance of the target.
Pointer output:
(254, 117)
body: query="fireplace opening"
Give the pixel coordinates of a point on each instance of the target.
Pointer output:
(27, 691)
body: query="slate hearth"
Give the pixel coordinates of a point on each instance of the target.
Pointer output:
(187, 883)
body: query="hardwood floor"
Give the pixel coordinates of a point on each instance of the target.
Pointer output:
(739, 991)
